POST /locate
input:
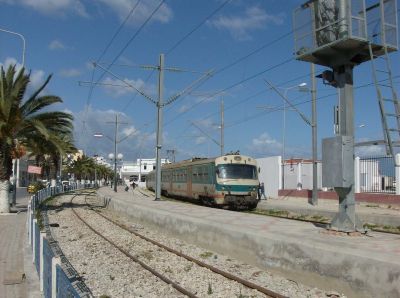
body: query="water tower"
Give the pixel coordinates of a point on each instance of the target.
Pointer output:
(340, 34)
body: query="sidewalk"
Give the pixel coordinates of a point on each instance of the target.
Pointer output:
(18, 278)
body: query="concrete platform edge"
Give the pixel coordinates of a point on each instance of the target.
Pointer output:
(354, 275)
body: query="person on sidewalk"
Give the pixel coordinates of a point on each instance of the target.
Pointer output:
(262, 191)
(133, 187)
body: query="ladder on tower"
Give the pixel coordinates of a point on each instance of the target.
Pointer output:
(387, 97)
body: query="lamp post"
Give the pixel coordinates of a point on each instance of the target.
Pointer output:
(115, 157)
(15, 178)
(23, 43)
(301, 87)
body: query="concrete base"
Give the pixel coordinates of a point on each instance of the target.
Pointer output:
(358, 266)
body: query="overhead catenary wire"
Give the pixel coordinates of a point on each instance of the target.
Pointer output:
(280, 107)
(229, 65)
(138, 31)
(180, 41)
(233, 85)
(173, 47)
(109, 45)
(90, 93)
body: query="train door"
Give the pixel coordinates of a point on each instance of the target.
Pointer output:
(170, 177)
(189, 182)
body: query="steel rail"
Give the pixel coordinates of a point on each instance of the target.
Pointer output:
(126, 253)
(228, 275)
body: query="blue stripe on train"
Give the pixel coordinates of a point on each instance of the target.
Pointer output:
(238, 188)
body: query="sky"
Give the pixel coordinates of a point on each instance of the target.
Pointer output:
(98, 50)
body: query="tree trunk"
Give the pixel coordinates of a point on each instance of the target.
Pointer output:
(4, 191)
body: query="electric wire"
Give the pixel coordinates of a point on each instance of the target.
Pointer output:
(138, 31)
(197, 27)
(180, 41)
(280, 108)
(90, 93)
(233, 85)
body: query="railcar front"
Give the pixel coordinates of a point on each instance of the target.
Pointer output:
(236, 181)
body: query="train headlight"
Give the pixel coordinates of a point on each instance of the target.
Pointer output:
(223, 188)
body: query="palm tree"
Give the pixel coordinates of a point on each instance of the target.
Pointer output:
(23, 123)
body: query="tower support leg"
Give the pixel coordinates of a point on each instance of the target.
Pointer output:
(346, 220)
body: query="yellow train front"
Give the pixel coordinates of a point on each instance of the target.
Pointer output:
(227, 181)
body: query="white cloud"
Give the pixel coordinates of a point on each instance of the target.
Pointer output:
(56, 45)
(265, 145)
(10, 61)
(254, 18)
(90, 121)
(142, 11)
(51, 7)
(200, 140)
(70, 73)
(130, 131)
(37, 77)
(68, 111)
(183, 109)
(116, 88)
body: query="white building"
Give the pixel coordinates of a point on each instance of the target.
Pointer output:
(139, 170)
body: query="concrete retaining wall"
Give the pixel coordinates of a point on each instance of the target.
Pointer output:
(324, 267)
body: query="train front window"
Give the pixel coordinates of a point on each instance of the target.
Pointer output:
(236, 171)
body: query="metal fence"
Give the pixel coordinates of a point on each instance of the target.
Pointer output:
(377, 174)
(57, 276)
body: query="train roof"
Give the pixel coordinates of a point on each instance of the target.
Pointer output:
(220, 159)
(192, 161)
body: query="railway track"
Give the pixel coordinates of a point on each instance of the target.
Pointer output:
(175, 284)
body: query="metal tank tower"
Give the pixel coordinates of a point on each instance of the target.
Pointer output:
(341, 34)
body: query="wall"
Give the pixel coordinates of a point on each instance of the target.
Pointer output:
(270, 174)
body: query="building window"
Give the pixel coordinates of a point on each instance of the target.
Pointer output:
(145, 167)
(154, 167)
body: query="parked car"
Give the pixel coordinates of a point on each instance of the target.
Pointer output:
(66, 185)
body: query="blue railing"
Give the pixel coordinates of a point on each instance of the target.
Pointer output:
(57, 276)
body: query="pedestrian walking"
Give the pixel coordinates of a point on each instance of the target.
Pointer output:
(133, 185)
(262, 191)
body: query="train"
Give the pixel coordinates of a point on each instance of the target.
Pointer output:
(229, 181)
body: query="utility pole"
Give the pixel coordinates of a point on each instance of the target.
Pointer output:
(314, 197)
(115, 152)
(222, 127)
(160, 104)
(159, 127)
(116, 122)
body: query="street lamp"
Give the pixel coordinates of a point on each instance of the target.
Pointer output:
(115, 157)
(301, 87)
(23, 43)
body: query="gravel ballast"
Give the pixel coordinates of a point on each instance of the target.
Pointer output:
(106, 271)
